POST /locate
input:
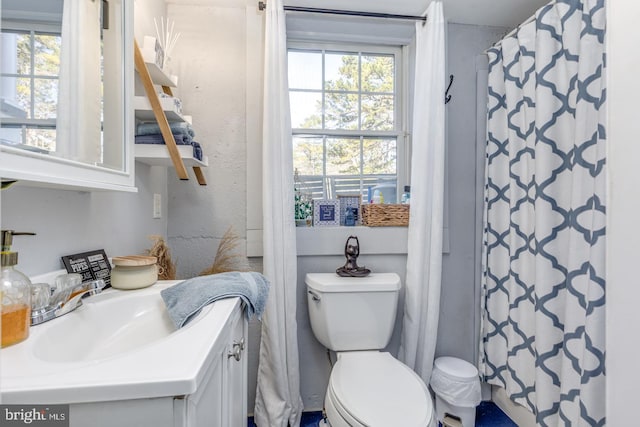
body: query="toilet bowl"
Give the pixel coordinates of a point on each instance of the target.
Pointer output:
(373, 389)
(367, 387)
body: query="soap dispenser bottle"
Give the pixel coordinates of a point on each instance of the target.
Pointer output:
(15, 295)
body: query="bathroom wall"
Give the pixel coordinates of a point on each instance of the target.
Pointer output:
(210, 62)
(68, 222)
(459, 316)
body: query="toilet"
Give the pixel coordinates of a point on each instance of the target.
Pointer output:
(354, 316)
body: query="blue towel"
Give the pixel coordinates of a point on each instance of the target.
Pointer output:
(185, 300)
(156, 138)
(154, 128)
(197, 150)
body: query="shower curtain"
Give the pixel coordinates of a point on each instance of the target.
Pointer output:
(543, 332)
(424, 254)
(278, 401)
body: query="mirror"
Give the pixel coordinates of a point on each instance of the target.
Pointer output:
(62, 80)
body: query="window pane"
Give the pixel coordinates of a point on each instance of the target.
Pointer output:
(341, 111)
(305, 70)
(311, 186)
(377, 112)
(377, 73)
(10, 135)
(386, 185)
(16, 53)
(42, 138)
(343, 156)
(306, 110)
(341, 72)
(46, 98)
(23, 95)
(11, 107)
(308, 155)
(47, 54)
(379, 156)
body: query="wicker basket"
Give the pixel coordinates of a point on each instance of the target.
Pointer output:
(374, 215)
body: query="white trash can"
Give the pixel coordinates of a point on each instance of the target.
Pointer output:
(457, 387)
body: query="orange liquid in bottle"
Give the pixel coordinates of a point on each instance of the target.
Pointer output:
(15, 323)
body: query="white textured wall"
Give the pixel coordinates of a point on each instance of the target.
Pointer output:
(69, 222)
(209, 60)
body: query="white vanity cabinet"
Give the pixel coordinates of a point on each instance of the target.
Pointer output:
(220, 398)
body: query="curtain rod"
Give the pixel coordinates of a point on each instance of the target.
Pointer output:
(512, 32)
(262, 5)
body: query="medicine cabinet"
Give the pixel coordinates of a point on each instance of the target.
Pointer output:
(66, 85)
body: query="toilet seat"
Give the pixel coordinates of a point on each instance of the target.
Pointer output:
(371, 388)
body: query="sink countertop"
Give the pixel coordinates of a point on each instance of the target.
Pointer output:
(172, 366)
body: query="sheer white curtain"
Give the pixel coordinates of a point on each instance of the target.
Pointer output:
(78, 127)
(424, 256)
(278, 401)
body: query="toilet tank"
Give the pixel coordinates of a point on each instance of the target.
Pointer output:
(352, 313)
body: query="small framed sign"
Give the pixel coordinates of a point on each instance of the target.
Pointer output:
(352, 201)
(92, 265)
(326, 213)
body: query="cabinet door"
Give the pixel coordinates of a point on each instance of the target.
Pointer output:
(235, 381)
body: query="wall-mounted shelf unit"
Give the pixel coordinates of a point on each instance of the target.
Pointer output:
(144, 112)
(159, 77)
(170, 153)
(157, 155)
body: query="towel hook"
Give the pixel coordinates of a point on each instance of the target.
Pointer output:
(447, 97)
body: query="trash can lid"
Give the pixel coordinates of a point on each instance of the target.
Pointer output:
(456, 368)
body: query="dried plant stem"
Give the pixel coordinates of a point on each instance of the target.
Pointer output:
(227, 257)
(160, 250)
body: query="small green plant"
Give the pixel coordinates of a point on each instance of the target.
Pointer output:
(302, 206)
(303, 203)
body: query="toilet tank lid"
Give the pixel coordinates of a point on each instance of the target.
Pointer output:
(331, 282)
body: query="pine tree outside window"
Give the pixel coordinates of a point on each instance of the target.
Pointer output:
(29, 79)
(346, 114)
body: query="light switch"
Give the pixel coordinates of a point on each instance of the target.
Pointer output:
(157, 205)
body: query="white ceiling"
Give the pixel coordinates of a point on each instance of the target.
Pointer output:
(500, 13)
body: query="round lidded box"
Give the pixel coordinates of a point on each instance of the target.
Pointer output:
(134, 271)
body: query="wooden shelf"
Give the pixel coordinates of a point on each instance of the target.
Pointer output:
(157, 155)
(144, 112)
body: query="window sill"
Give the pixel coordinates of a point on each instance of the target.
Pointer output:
(316, 241)
(331, 240)
(319, 241)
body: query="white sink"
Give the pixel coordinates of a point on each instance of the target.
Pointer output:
(105, 325)
(118, 345)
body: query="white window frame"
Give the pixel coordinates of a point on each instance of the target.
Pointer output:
(31, 28)
(400, 131)
(322, 240)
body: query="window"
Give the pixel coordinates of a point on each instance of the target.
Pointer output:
(29, 79)
(346, 117)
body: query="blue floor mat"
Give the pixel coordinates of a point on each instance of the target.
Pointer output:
(487, 415)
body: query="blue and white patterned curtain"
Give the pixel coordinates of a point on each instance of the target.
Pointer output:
(543, 332)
